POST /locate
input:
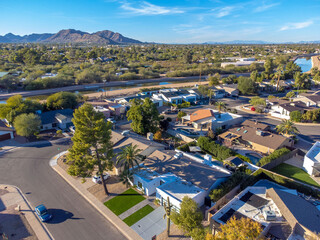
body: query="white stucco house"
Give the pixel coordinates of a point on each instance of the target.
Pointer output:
(175, 174)
(176, 96)
(311, 162)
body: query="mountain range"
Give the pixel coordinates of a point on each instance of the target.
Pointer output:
(70, 36)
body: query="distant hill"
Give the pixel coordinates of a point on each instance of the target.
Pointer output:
(70, 36)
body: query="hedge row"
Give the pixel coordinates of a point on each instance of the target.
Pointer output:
(276, 154)
(218, 151)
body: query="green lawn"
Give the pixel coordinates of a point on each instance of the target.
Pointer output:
(124, 201)
(135, 217)
(295, 173)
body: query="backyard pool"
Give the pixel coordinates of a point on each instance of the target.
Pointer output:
(254, 157)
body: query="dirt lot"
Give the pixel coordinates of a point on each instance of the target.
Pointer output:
(131, 91)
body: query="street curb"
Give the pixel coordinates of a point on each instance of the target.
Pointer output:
(44, 227)
(128, 232)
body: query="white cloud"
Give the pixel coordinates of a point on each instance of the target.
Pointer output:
(146, 8)
(225, 11)
(298, 25)
(265, 7)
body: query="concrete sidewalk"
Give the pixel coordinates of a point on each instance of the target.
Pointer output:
(12, 198)
(82, 190)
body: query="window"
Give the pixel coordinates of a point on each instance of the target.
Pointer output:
(54, 124)
(162, 182)
(139, 184)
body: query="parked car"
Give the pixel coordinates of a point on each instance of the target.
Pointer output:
(42, 213)
(97, 179)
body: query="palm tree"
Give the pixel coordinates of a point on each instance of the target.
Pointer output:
(125, 177)
(167, 207)
(278, 74)
(287, 127)
(129, 156)
(220, 106)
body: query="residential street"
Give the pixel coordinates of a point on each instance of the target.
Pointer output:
(73, 217)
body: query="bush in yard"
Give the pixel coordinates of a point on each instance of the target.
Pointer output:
(276, 154)
(218, 151)
(228, 185)
(296, 116)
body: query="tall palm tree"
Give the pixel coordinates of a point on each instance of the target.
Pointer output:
(278, 74)
(287, 127)
(220, 106)
(126, 177)
(129, 156)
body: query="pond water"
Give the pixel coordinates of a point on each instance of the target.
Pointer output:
(304, 63)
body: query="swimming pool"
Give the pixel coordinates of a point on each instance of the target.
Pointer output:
(254, 157)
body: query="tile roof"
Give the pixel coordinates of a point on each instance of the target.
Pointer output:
(197, 173)
(201, 114)
(295, 209)
(255, 124)
(268, 139)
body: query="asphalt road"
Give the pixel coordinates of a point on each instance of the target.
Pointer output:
(74, 218)
(4, 96)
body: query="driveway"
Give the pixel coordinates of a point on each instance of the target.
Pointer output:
(152, 224)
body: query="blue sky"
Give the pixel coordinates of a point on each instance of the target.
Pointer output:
(178, 21)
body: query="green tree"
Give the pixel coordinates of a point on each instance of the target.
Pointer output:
(144, 115)
(129, 157)
(181, 114)
(247, 86)
(268, 66)
(287, 127)
(220, 105)
(62, 100)
(189, 217)
(254, 76)
(92, 146)
(290, 94)
(257, 102)
(279, 74)
(214, 80)
(241, 229)
(27, 125)
(296, 116)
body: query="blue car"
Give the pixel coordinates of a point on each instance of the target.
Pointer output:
(42, 213)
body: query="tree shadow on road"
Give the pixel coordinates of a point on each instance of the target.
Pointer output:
(59, 216)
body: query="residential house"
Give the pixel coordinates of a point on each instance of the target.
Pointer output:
(205, 119)
(311, 162)
(310, 100)
(176, 175)
(106, 112)
(158, 101)
(176, 96)
(283, 110)
(57, 119)
(281, 212)
(120, 141)
(110, 108)
(5, 132)
(230, 89)
(257, 139)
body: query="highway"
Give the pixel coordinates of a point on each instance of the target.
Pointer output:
(93, 86)
(73, 217)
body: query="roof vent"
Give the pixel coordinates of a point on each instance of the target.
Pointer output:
(269, 215)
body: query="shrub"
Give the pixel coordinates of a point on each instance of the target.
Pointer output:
(227, 186)
(218, 151)
(276, 154)
(243, 158)
(296, 116)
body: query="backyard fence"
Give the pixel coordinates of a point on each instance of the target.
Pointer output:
(281, 159)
